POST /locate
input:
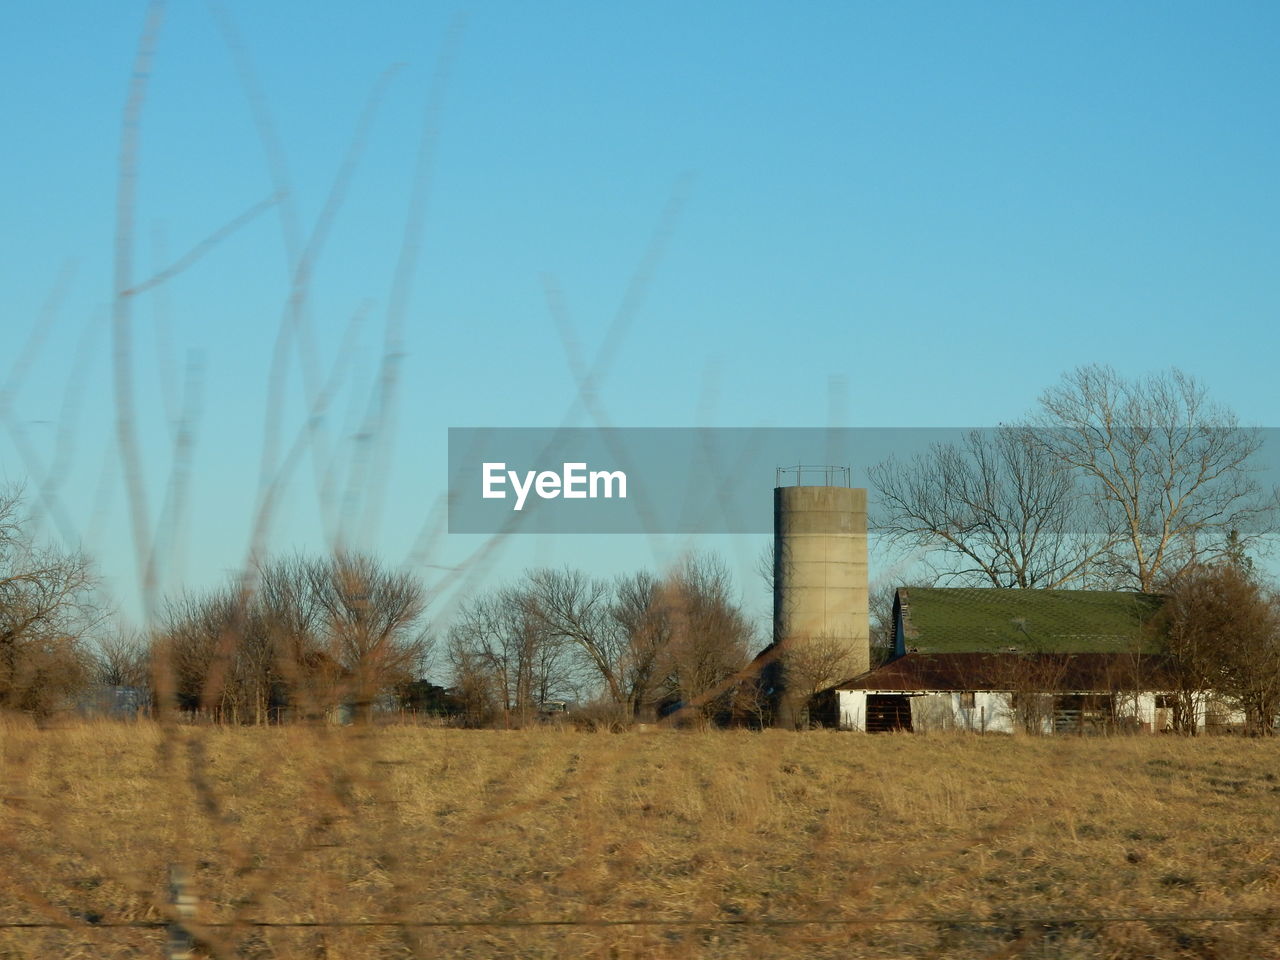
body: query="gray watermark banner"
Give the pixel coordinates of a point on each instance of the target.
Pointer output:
(695, 480)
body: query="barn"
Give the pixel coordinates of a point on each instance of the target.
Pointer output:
(992, 660)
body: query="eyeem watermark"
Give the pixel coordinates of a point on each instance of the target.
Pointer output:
(646, 480)
(574, 482)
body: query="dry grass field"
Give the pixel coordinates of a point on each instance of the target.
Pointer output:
(661, 844)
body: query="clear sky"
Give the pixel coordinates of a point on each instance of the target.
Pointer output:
(871, 214)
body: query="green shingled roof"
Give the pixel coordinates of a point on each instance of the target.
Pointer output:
(956, 620)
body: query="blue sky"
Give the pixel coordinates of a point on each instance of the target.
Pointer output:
(938, 207)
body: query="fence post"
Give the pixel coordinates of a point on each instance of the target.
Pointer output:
(182, 943)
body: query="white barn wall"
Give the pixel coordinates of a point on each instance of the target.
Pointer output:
(934, 711)
(991, 711)
(1141, 707)
(853, 709)
(1207, 709)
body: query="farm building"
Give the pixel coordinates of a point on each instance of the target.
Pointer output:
(984, 659)
(992, 660)
(1001, 692)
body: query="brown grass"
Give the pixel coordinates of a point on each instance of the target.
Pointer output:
(1009, 846)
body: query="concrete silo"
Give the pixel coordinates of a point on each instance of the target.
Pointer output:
(820, 612)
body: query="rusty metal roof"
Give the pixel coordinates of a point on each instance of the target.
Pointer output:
(1048, 672)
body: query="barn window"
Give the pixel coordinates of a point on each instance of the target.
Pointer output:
(967, 699)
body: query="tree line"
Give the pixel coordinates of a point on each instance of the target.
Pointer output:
(1140, 484)
(638, 645)
(296, 638)
(301, 637)
(305, 637)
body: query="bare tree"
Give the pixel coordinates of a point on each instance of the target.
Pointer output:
(1223, 631)
(303, 679)
(880, 621)
(477, 690)
(505, 658)
(1170, 471)
(578, 610)
(641, 611)
(47, 608)
(710, 638)
(1032, 680)
(304, 635)
(996, 509)
(121, 659)
(816, 663)
(197, 639)
(766, 564)
(374, 623)
(630, 644)
(485, 665)
(215, 656)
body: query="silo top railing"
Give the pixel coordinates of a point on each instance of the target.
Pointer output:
(812, 476)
